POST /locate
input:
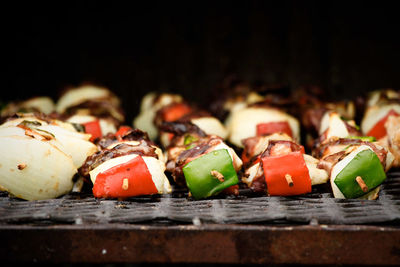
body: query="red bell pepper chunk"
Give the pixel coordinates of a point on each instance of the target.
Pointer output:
(129, 179)
(274, 127)
(379, 130)
(122, 131)
(93, 128)
(175, 112)
(276, 168)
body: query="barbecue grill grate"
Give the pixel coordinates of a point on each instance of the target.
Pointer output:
(320, 207)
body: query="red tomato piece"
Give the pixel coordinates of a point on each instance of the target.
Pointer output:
(122, 131)
(129, 179)
(379, 130)
(93, 128)
(276, 168)
(274, 127)
(175, 112)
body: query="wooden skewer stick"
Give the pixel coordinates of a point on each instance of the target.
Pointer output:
(218, 175)
(289, 180)
(362, 184)
(125, 184)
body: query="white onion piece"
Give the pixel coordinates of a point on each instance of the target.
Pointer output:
(211, 126)
(71, 143)
(32, 118)
(148, 110)
(74, 143)
(244, 123)
(156, 169)
(375, 96)
(317, 176)
(43, 103)
(32, 169)
(324, 122)
(334, 126)
(81, 94)
(251, 173)
(145, 122)
(232, 110)
(17, 121)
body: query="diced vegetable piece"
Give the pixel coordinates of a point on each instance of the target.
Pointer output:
(125, 180)
(363, 138)
(122, 131)
(176, 112)
(189, 139)
(210, 174)
(93, 128)
(274, 127)
(286, 175)
(365, 164)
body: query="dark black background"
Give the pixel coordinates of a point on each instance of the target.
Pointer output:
(188, 47)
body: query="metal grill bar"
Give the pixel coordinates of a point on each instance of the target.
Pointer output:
(322, 207)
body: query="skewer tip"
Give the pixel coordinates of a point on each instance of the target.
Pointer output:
(218, 175)
(289, 180)
(125, 184)
(362, 184)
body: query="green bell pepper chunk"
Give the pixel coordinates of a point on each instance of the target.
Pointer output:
(365, 164)
(199, 178)
(364, 138)
(189, 139)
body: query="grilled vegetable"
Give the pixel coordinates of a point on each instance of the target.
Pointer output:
(150, 105)
(245, 123)
(128, 176)
(392, 139)
(42, 104)
(210, 174)
(34, 169)
(281, 168)
(356, 167)
(60, 134)
(286, 174)
(357, 174)
(274, 127)
(203, 163)
(382, 120)
(96, 127)
(332, 125)
(39, 159)
(79, 95)
(127, 165)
